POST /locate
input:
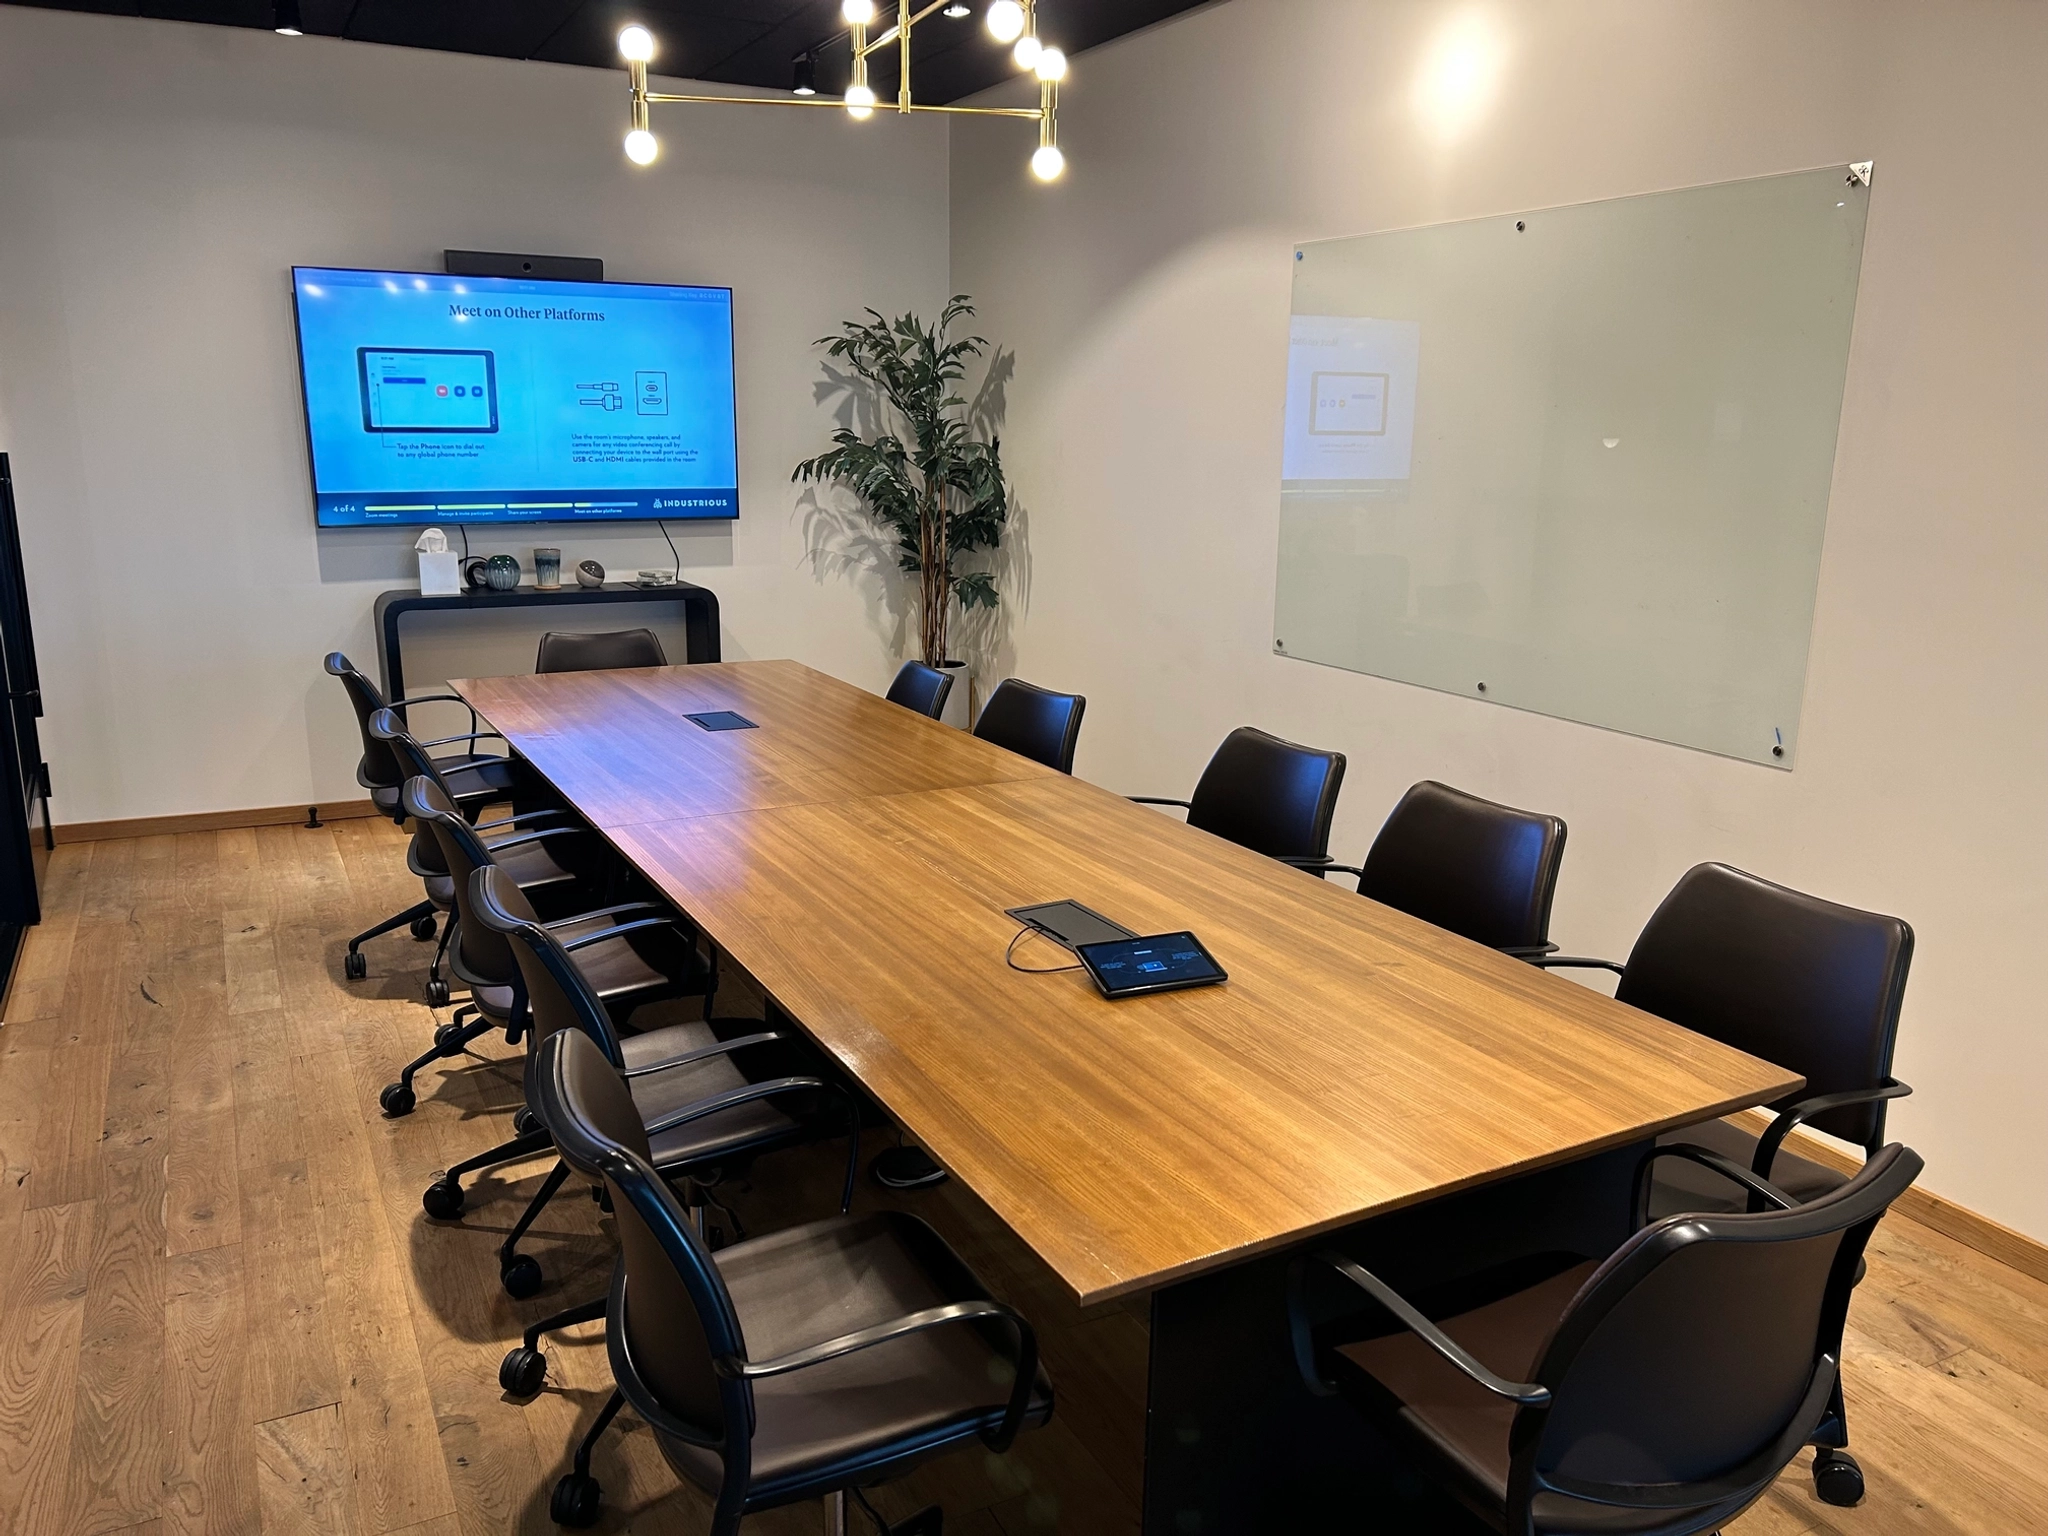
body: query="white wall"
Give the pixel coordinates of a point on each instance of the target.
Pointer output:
(1147, 297)
(156, 183)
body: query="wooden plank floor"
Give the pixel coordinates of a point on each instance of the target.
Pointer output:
(221, 1309)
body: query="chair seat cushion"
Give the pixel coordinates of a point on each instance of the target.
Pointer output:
(478, 776)
(747, 1128)
(531, 866)
(1686, 1186)
(882, 1408)
(1463, 1421)
(639, 967)
(1420, 1396)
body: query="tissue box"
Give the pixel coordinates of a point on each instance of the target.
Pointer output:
(440, 575)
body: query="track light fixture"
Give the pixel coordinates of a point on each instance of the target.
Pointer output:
(1011, 22)
(284, 19)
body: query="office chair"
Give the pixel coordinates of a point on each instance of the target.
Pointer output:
(1659, 1393)
(1811, 985)
(480, 958)
(921, 688)
(475, 779)
(801, 1365)
(702, 1116)
(563, 989)
(1033, 722)
(1481, 870)
(423, 854)
(1267, 795)
(562, 652)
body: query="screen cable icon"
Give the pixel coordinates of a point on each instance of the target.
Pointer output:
(606, 396)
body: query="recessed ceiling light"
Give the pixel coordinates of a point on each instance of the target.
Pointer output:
(284, 19)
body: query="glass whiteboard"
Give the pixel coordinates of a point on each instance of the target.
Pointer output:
(1576, 461)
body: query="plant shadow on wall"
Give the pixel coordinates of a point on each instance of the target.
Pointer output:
(932, 533)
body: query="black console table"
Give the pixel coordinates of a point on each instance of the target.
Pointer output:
(700, 614)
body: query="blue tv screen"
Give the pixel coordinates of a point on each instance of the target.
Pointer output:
(436, 399)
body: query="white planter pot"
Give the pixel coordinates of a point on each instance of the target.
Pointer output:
(957, 713)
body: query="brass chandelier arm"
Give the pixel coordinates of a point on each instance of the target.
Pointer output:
(1031, 113)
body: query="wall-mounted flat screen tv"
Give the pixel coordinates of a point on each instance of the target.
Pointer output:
(438, 399)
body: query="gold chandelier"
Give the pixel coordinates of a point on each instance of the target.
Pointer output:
(1014, 22)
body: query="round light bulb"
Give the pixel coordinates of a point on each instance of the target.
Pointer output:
(1047, 162)
(642, 147)
(1051, 65)
(636, 44)
(1027, 50)
(860, 101)
(1005, 21)
(857, 12)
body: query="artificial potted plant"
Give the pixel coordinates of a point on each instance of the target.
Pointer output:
(924, 476)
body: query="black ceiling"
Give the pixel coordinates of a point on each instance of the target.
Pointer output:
(734, 42)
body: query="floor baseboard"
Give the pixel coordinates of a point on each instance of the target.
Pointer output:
(1993, 1239)
(207, 821)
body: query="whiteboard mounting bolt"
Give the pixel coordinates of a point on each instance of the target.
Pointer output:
(1859, 173)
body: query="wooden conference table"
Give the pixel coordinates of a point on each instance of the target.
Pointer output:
(1363, 1078)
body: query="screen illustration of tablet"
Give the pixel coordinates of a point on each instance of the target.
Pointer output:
(1165, 960)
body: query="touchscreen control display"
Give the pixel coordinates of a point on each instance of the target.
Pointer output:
(1160, 963)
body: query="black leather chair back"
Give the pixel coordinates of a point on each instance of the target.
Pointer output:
(921, 688)
(1270, 795)
(379, 769)
(1805, 983)
(558, 995)
(678, 1315)
(483, 958)
(563, 652)
(1693, 1364)
(1479, 869)
(1033, 722)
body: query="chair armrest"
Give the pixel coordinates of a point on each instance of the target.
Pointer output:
(1154, 800)
(521, 839)
(1324, 867)
(1534, 953)
(1526, 1393)
(616, 929)
(1759, 1188)
(705, 1053)
(734, 1097)
(401, 705)
(1795, 1115)
(624, 906)
(1581, 962)
(469, 736)
(513, 821)
(1025, 1361)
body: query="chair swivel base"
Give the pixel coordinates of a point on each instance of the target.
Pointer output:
(449, 1040)
(906, 1168)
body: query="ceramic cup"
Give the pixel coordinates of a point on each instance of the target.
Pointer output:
(547, 569)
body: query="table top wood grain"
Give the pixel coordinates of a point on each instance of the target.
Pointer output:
(1358, 1060)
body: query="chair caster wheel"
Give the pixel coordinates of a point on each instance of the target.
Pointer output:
(448, 1040)
(437, 993)
(522, 1277)
(1837, 1478)
(524, 1122)
(396, 1099)
(354, 966)
(523, 1372)
(423, 928)
(442, 1200)
(575, 1500)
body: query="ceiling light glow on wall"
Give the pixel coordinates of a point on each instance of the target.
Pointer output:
(1009, 21)
(1005, 21)
(1459, 75)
